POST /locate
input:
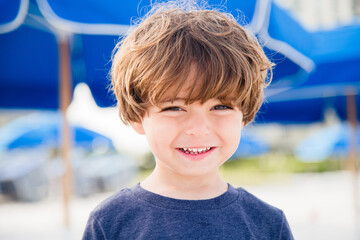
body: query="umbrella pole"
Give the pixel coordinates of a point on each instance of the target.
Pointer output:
(352, 118)
(65, 98)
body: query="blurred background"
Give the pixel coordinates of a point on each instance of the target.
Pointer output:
(63, 148)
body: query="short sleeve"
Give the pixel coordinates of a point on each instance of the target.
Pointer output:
(93, 230)
(285, 233)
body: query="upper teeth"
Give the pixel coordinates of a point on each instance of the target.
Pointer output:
(197, 150)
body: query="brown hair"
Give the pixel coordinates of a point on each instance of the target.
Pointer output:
(158, 54)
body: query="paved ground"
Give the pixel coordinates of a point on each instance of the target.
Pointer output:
(318, 206)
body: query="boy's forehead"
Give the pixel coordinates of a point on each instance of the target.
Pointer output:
(173, 93)
(183, 87)
(186, 93)
(194, 85)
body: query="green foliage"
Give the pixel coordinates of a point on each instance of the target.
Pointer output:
(272, 167)
(282, 163)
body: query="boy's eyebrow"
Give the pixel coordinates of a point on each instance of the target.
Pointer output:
(172, 100)
(167, 100)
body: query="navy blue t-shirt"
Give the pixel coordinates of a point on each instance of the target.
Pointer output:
(135, 213)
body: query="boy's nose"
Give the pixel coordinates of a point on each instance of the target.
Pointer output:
(197, 124)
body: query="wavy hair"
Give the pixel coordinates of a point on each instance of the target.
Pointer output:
(158, 52)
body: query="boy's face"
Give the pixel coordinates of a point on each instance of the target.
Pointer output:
(191, 140)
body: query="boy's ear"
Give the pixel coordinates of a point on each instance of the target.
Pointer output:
(138, 127)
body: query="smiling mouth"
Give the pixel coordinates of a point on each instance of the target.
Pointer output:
(195, 150)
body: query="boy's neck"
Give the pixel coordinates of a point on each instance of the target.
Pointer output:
(184, 187)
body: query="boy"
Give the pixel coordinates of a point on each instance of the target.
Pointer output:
(189, 80)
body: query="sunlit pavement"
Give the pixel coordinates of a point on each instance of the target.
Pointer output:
(318, 206)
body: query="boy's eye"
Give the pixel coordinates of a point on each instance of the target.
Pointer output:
(172, 109)
(221, 107)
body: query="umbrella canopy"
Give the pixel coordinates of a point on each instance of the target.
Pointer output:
(32, 29)
(44, 130)
(332, 56)
(333, 141)
(313, 65)
(29, 72)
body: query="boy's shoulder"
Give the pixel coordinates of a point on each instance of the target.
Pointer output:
(265, 220)
(122, 200)
(254, 207)
(252, 200)
(112, 215)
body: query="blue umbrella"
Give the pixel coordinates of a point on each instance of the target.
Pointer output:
(29, 72)
(24, 147)
(31, 31)
(250, 145)
(49, 136)
(332, 56)
(44, 130)
(333, 141)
